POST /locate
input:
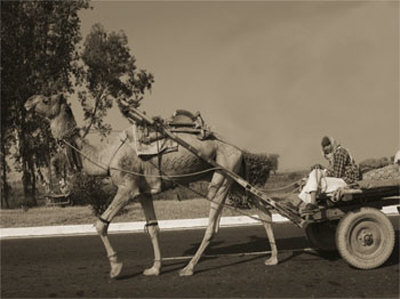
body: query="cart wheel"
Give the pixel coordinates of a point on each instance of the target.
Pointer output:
(322, 235)
(365, 238)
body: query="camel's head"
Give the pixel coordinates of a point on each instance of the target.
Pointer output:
(46, 106)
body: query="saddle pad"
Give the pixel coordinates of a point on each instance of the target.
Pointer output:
(163, 145)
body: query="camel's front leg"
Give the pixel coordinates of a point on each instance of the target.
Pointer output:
(266, 218)
(119, 201)
(217, 193)
(153, 229)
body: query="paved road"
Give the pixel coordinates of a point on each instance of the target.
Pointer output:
(77, 267)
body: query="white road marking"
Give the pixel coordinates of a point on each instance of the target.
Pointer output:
(131, 227)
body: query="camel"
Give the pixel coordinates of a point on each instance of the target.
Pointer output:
(119, 154)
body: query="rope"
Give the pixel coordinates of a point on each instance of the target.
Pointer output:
(115, 153)
(239, 254)
(167, 177)
(284, 187)
(171, 178)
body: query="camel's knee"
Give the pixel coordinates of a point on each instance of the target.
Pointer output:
(219, 188)
(102, 227)
(120, 200)
(212, 191)
(116, 205)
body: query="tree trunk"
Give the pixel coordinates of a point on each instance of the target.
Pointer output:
(33, 181)
(5, 192)
(5, 188)
(27, 177)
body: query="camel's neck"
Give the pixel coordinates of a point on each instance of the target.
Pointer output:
(63, 124)
(77, 149)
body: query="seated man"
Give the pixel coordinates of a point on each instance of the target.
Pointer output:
(342, 170)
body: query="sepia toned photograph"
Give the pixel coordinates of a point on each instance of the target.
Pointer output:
(200, 149)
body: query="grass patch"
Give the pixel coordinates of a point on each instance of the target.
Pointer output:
(165, 210)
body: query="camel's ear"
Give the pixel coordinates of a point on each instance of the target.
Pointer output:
(31, 98)
(30, 102)
(60, 97)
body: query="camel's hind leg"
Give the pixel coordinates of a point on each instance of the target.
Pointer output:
(146, 201)
(266, 218)
(120, 200)
(217, 192)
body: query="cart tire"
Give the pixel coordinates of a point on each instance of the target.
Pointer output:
(322, 235)
(365, 238)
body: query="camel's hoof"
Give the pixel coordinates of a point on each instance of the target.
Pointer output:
(152, 271)
(271, 261)
(116, 269)
(186, 272)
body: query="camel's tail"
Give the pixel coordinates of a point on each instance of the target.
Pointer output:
(255, 169)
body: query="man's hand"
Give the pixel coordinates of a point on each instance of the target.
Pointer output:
(317, 166)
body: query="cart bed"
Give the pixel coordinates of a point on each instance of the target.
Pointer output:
(363, 194)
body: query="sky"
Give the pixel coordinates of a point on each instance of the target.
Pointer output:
(269, 76)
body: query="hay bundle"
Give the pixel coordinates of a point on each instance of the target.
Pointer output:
(255, 169)
(371, 164)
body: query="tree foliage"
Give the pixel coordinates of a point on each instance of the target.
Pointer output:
(108, 73)
(40, 56)
(38, 40)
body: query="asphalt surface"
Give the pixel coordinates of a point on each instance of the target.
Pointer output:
(77, 267)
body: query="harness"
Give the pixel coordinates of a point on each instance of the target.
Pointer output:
(161, 175)
(74, 159)
(108, 167)
(74, 154)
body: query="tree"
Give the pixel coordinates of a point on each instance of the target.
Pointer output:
(108, 73)
(38, 41)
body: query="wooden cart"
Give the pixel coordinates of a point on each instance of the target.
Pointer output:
(353, 224)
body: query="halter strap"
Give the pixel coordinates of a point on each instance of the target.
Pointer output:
(115, 153)
(73, 156)
(69, 134)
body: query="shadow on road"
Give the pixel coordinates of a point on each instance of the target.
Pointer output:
(254, 243)
(295, 247)
(288, 249)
